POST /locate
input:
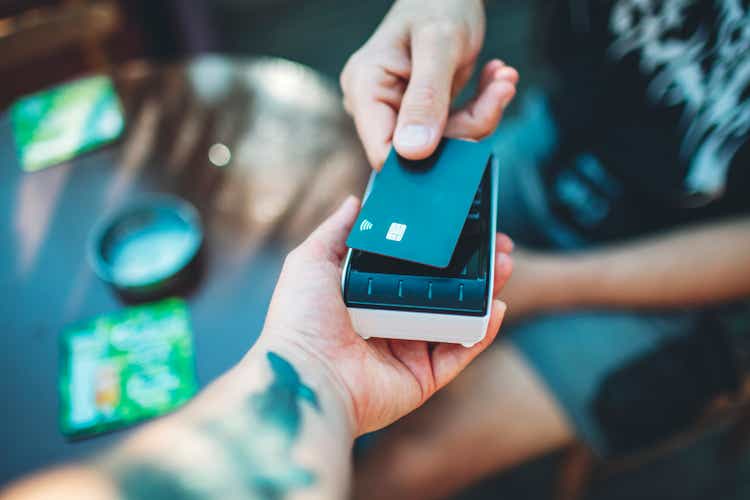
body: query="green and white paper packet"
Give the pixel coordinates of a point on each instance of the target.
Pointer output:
(125, 367)
(55, 125)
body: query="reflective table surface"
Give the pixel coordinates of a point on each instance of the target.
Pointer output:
(261, 147)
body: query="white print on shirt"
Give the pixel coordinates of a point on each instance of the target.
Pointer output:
(698, 54)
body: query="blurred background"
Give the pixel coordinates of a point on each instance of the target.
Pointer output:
(195, 79)
(321, 34)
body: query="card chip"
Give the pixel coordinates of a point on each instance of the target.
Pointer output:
(396, 232)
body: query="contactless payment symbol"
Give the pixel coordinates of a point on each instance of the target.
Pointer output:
(366, 225)
(396, 232)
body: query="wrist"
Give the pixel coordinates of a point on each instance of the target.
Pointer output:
(314, 371)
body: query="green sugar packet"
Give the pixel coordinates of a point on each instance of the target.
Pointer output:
(122, 368)
(55, 125)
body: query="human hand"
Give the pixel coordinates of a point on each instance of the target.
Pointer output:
(400, 84)
(378, 380)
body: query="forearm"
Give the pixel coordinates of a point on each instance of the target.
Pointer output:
(269, 428)
(281, 423)
(689, 267)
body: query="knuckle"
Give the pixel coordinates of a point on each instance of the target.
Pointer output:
(346, 105)
(316, 250)
(350, 69)
(293, 257)
(345, 77)
(423, 101)
(442, 29)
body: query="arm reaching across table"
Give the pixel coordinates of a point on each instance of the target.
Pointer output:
(283, 420)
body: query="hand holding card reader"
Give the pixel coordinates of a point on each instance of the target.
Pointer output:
(404, 289)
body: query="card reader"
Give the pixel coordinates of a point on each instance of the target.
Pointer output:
(392, 298)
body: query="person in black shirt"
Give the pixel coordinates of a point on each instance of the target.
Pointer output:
(626, 189)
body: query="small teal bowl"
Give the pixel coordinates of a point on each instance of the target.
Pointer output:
(149, 249)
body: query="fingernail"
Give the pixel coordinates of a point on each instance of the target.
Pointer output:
(413, 136)
(506, 241)
(505, 73)
(351, 200)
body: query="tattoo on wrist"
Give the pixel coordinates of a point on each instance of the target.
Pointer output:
(256, 442)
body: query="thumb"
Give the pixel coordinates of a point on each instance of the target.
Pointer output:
(330, 237)
(424, 108)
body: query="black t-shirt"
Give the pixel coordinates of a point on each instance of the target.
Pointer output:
(653, 109)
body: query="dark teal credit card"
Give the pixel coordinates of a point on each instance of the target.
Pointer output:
(415, 210)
